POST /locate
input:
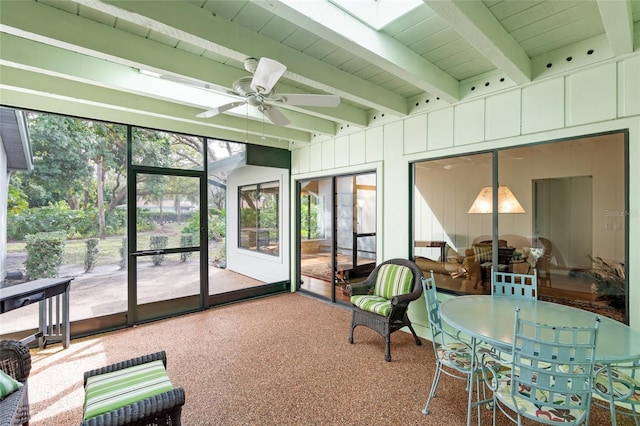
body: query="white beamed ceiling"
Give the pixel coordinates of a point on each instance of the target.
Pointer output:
(84, 55)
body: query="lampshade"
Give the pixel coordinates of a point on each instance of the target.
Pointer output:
(507, 202)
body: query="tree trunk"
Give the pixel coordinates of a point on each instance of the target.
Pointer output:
(118, 199)
(102, 231)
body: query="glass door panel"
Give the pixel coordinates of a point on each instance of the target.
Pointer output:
(365, 223)
(346, 232)
(167, 250)
(337, 233)
(316, 236)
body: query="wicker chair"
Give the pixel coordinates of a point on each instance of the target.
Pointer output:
(381, 301)
(15, 360)
(164, 409)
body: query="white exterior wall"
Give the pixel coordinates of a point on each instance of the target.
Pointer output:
(256, 265)
(601, 98)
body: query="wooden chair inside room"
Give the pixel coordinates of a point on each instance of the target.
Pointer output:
(380, 302)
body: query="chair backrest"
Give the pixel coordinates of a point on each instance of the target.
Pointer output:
(433, 309)
(514, 285)
(553, 364)
(393, 280)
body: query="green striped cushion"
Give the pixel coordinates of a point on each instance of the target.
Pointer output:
(110, 391)
(393, 280)
(8, 384)
(483, 253)
(375, 304)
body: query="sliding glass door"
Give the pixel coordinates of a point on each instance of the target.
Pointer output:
(337, 233)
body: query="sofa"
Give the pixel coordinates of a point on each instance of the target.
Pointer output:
(15, 362)
(471, 273)
(450, 274)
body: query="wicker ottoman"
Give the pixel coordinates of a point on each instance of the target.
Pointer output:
(137, 391)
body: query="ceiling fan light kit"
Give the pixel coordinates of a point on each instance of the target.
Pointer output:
(258, 92)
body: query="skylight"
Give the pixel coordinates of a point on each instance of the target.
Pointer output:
(376, 13)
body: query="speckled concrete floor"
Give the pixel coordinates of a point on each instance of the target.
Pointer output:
(281, 360)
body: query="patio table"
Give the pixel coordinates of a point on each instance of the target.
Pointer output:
(490, 319)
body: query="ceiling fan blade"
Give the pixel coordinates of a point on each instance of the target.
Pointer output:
(220, 109)
(267, 75)
(310, 100)
(274, 115)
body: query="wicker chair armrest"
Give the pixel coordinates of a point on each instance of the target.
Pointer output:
(402, 299)
(126, 364)
(358, 288)
(15, 359)
(137, 412)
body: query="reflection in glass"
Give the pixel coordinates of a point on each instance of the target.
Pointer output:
(569, 233)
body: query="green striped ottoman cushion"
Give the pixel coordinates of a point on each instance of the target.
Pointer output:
(110, 391)
(393, 280)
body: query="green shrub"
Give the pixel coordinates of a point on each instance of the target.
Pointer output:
(59, 217)
(217, 226)
(123, 254)
(220, 253)
(91, 257)
(45, 253)
(186, 240)
(158, 242)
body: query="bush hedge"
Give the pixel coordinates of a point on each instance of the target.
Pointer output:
(158, 242)
(45, 253)
(91, 257)
(59, 217)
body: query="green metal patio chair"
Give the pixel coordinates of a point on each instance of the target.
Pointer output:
(453, 353)
(617, 387)
(551, 374)
(514, 285)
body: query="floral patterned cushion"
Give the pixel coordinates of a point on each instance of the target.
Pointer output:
(545, 410)
(624, 387)
(455, 355)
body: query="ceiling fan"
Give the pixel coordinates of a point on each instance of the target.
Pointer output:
(258, 91)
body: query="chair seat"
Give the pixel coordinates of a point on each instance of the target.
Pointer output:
(376, 304)
(547, 412)
(625, 387)
(455, 355)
